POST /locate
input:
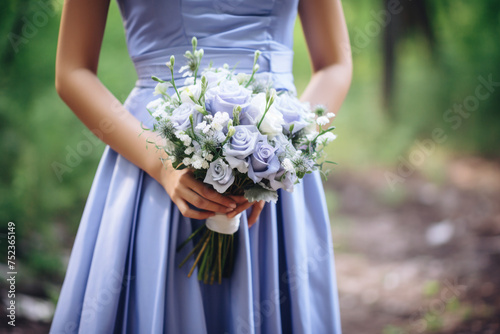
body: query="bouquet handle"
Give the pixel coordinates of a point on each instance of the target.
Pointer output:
(222, 224)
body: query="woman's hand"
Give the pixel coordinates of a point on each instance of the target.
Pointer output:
(184, 189)
(244, 204)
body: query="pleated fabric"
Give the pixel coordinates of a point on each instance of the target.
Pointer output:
(123, 275)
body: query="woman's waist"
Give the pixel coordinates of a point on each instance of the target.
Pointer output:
(276, 64)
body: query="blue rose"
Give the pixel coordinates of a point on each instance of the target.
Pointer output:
(180, 116)
(282, 179)
(214, 78)
(220, 175)
(293, 111)
(241, 145)
(227, 95)
(264, 161)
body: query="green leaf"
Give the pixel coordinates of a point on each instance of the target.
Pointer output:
(258, 193)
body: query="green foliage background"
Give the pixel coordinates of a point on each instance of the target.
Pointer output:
(36, 128)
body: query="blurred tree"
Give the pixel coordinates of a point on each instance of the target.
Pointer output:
(462, 38)
(11, 105)
(414, 16)
(24, 74)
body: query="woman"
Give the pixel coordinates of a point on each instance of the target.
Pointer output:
(123, 275)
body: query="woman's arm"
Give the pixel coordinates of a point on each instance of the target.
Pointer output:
(80, 38)
(327, 39)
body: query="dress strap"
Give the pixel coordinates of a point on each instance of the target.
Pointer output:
(277, 63)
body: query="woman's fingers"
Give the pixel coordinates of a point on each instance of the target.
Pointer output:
(238, 199)
(240, 208)
(200, 202)
(256, 210)
(203, 190)
(186, 211)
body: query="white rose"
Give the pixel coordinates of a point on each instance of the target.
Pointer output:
(215, 78)
(161, 88)
(272, 124)
(188, 91)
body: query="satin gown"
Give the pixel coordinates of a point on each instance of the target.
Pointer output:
(123, 274)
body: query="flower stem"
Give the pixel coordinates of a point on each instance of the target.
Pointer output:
(268, 106)
(195, 248)
(199, 255)
(190, 237)
(219, 258)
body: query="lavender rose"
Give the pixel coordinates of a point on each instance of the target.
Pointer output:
(180, 116)
(264, 162)
(219, 175)
(214, 78)
(226, 96)
(241, 145)
(283, 179)
(293, 111)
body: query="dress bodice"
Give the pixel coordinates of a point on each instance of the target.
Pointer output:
(155, 25)
(228, 30)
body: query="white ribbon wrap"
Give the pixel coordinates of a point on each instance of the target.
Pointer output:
(221, 224)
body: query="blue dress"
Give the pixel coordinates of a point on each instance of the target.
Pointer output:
(123, 274)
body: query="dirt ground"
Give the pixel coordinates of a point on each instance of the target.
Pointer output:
(424, 258)
(421, 258)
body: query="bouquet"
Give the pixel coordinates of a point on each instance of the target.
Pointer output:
(240, 136)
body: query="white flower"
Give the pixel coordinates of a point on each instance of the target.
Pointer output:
(209, 157)
(189, 81)
(205, 164)
(207, 129)
(330, 115)
(201, 126)
(220, 120)
(214, 78)
(161, 88)
(184, 137)
(322, 120)
(187, 71)
(311, 136)
(186, 161)
(326, 138)
(242, 78)
(155, 104)
(199, 53)
(311, 128)
(272, 124)
(204, 127)
(288, 165)
(189, 92)
(157, 108)
(160, 113)
(197, 161)
(189, 150)
(199, 108)
(231, 131)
